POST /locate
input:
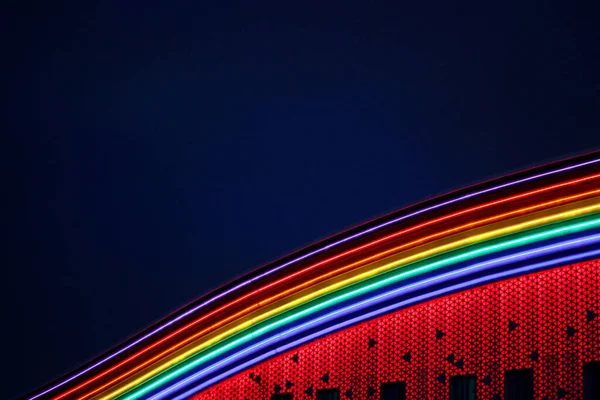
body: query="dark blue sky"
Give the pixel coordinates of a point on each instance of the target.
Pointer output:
(159, 150)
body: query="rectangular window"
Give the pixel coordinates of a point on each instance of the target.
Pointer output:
(518, 384)
(393, 391)
(282, 396)
(462, 387)
(328, 394)
(591, 381)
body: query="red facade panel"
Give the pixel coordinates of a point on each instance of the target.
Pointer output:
(546, 321)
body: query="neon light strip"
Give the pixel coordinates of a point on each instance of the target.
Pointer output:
(305, 256)
(324, 276)
(187, 365)
(383, 311)
(321, 277)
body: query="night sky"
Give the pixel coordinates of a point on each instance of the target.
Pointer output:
(156, 151)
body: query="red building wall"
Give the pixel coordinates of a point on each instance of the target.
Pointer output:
(547, 321)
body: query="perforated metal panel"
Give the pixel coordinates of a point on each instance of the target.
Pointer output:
(546, 321)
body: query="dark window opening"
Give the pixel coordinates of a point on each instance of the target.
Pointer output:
(393, 391)
(282, 396)
(328, 394)
(518, 384)
(591, 381)
(462, 387)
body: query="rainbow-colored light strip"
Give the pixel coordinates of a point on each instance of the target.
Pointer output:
(530, 220)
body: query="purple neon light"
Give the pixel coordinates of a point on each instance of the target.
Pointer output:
(376, 313)
(478, 267)
(300, 258)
